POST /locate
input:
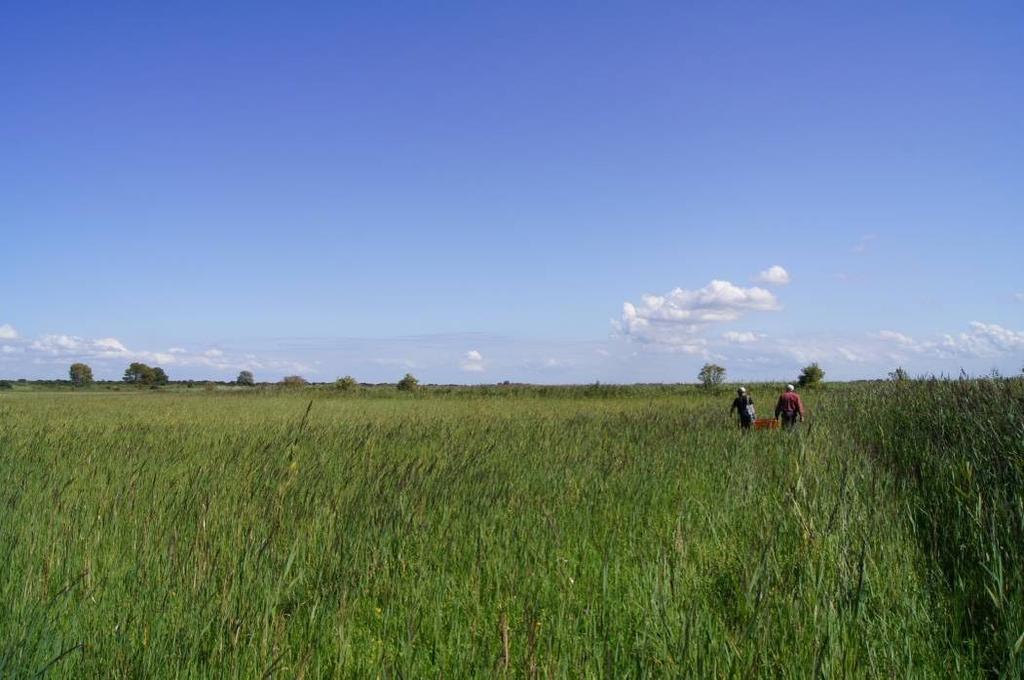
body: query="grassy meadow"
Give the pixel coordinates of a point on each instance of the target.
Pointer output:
(559, 532)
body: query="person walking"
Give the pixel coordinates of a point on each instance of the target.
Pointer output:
(790, 408)
(743, 404)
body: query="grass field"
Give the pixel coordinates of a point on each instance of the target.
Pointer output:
(616, 532)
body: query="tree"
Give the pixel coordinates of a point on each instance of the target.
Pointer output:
(899, 375)
(80, 374)
(409, 383)
(138, 374)
(245, 379)
(811, 376)
(346, 384)
(711, 375)
(293, 381)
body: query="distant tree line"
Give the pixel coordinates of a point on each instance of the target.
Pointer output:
(80, 375)
(713, 375)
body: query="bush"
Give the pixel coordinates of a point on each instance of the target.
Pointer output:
(137, 373)
(245, 379)
(711, 375)
(6, 385)
(899, 375)
(409, 383)
(80, 374)
(346, 384)
(293, 381)
(811, 376)
(140, 374)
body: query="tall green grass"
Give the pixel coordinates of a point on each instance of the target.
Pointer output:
(958, 446)
(596, 532)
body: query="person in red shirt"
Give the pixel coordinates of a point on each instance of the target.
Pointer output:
(789, 407)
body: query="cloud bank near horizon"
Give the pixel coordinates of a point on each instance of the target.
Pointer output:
(684, 321)
(661, 338)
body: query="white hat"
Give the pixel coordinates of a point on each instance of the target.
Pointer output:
(789, 388)
(742, 389)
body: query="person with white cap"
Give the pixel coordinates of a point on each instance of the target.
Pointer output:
(789, 407)
(743, 404)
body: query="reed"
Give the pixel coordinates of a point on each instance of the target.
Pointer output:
(591, 531)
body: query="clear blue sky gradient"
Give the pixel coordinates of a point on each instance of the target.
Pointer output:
(233, 176)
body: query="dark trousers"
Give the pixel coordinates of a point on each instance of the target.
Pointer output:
(746, 423)
(789, 420)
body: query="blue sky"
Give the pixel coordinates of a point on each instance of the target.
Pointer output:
(477, 192)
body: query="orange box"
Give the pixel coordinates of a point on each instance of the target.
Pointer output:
(766, 424)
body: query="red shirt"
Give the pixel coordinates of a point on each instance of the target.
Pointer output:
(789, 402)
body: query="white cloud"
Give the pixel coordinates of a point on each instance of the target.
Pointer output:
(109, 353)
(853, 355)
(7, 332)
(473, 362)
(110, 345)
(72, 345)
(774, 275)
(742, 337)
(984, 340)
(979, 340)
(896, 337)
(1019, 297)
(673, 319)
(55, 344)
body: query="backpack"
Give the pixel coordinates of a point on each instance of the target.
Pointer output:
(747, 408)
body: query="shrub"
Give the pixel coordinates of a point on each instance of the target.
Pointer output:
(6, 385)
(409, 383)
(899, 375)
(711, 375)
(140, 374)
(293, 381)
(811, 376)
(345, 384)
(245, 379)
(80, 374)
